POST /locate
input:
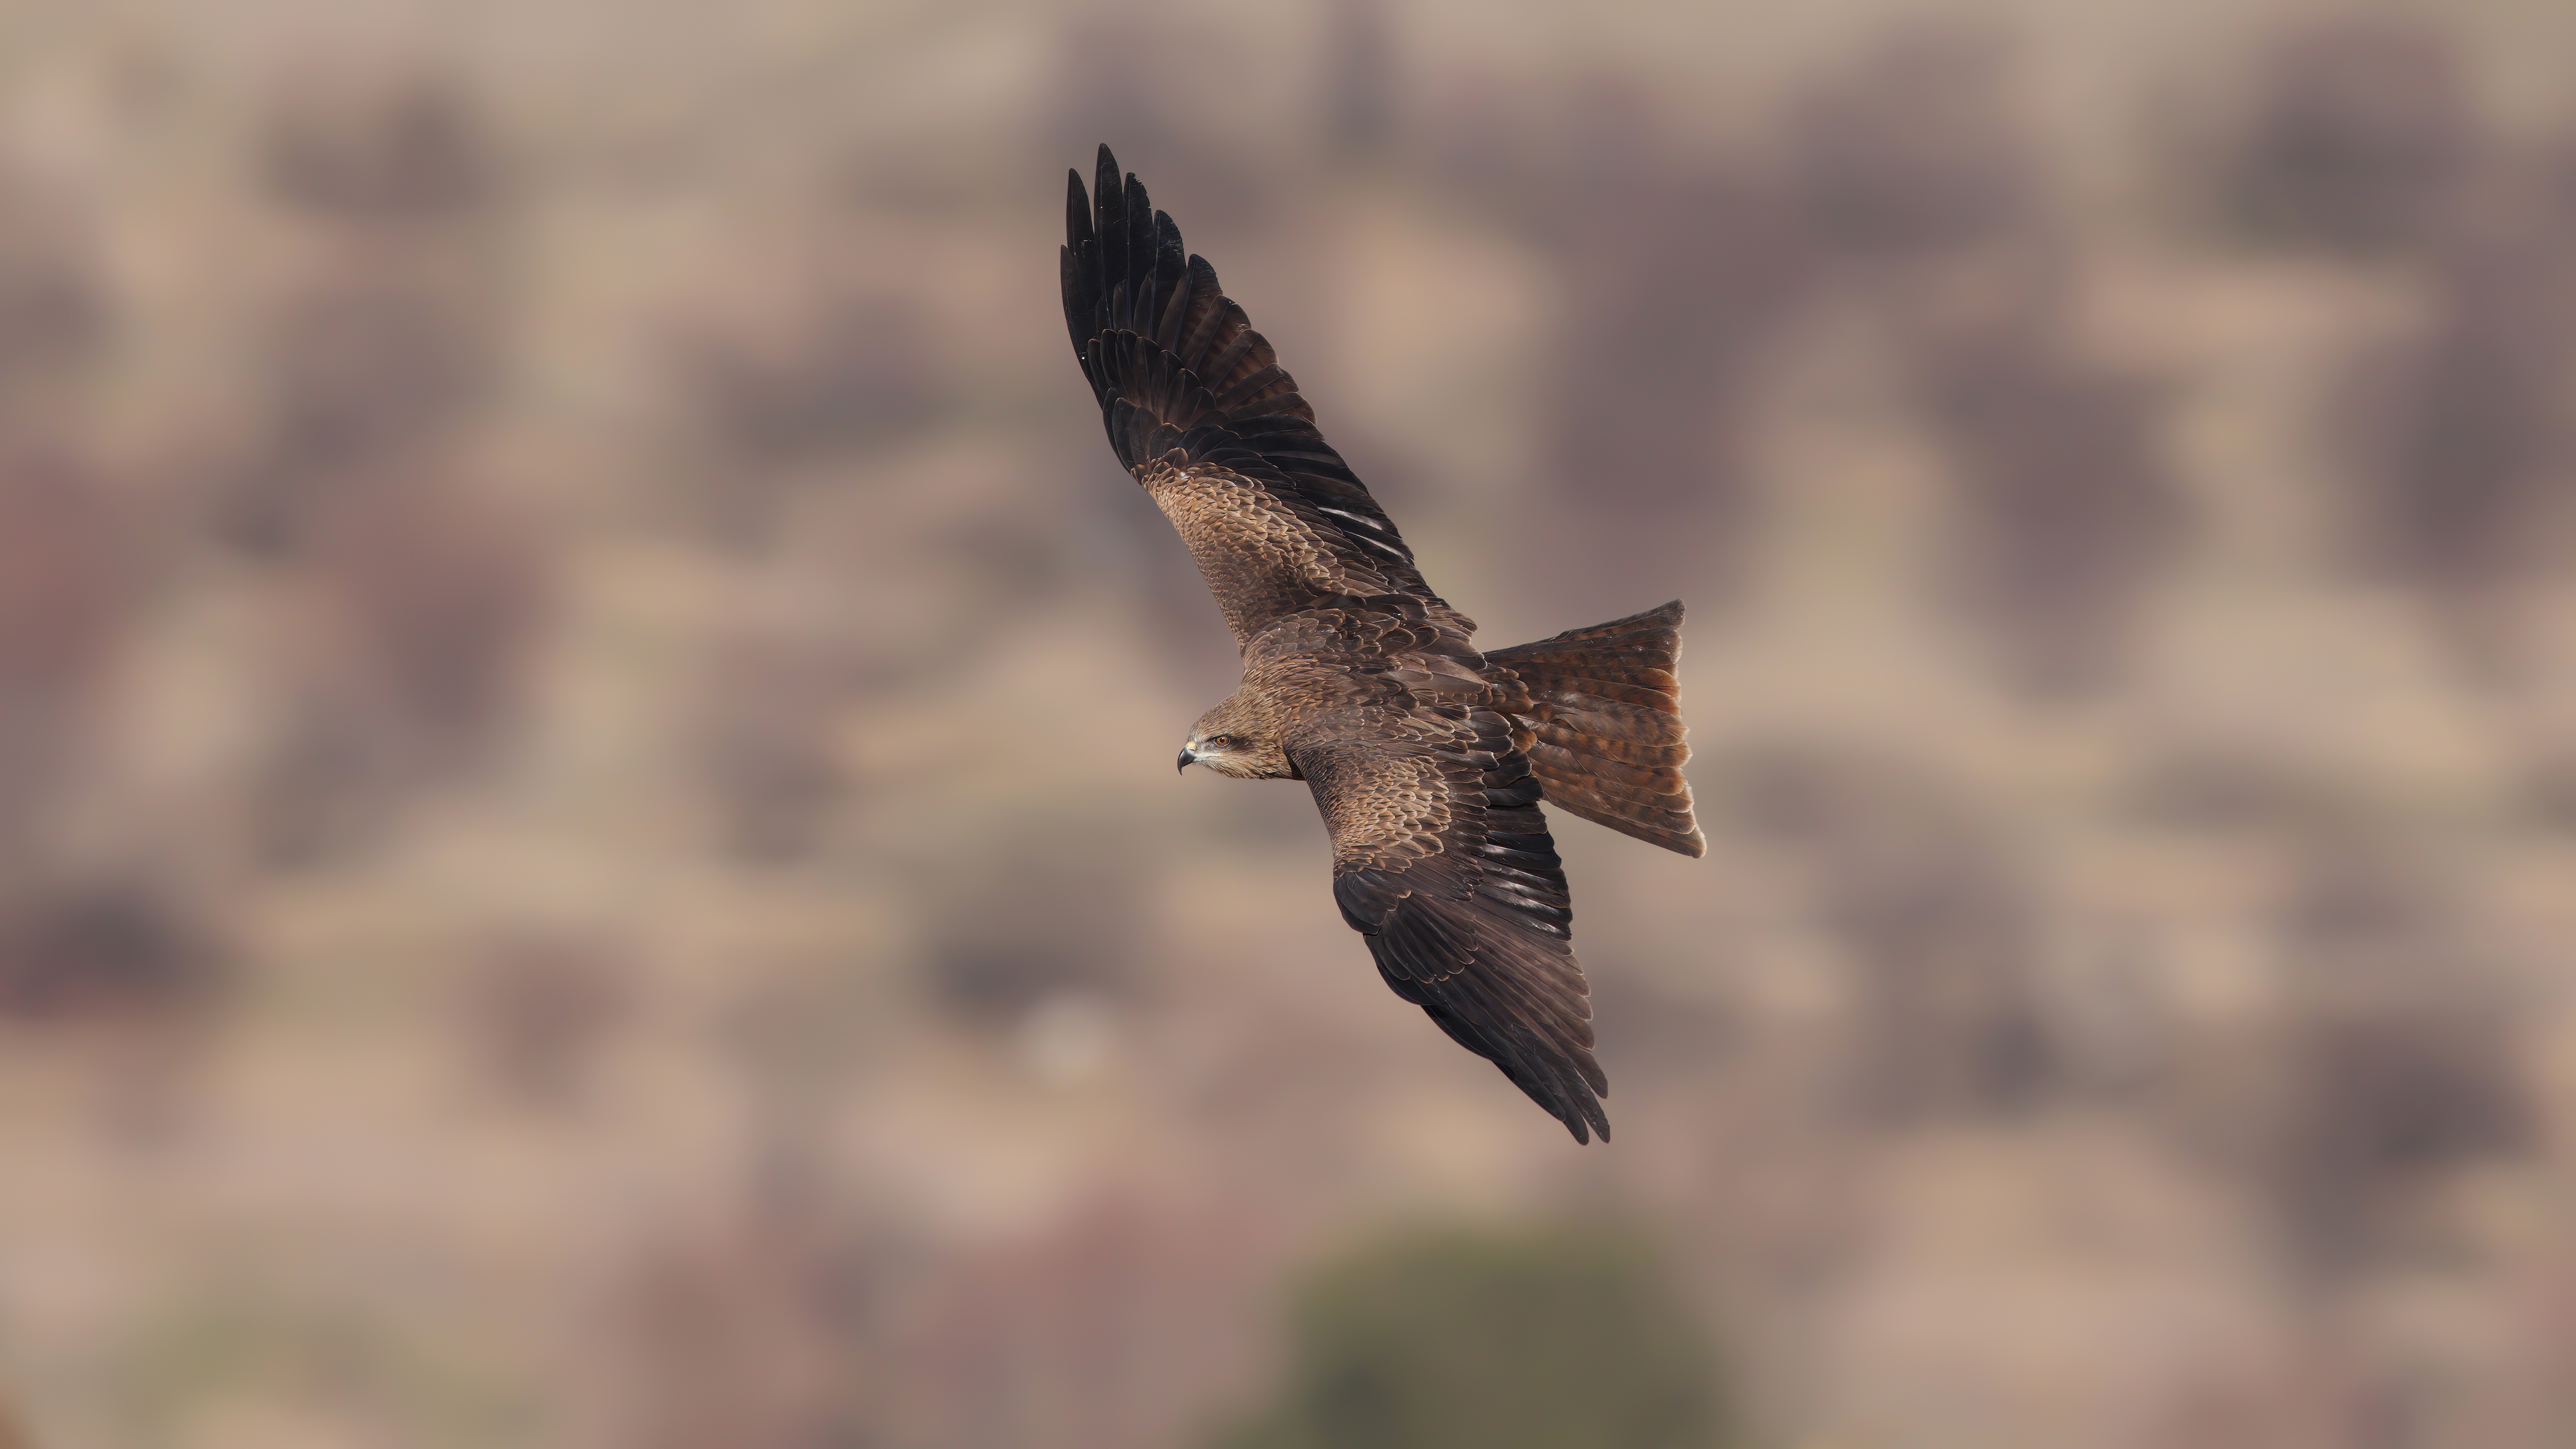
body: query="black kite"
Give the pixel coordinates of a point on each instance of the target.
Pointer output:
(1427, 758)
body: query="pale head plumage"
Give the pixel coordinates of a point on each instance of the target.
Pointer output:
(1236, 739)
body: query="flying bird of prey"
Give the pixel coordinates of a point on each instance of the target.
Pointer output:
(1428, 759)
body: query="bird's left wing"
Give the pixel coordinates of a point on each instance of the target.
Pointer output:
(1200, 411)
(1443, 861)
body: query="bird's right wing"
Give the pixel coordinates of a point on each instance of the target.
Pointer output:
(1200, 411)
(1443, 861)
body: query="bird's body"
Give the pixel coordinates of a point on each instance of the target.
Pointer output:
(1427, 758)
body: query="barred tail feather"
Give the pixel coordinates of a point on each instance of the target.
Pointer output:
(1605, 719)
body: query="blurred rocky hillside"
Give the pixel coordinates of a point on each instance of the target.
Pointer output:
(588, 853)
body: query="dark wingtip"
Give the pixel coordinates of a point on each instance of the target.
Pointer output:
(1109, 212)
(1585, 1120)
(1588, 1104)
(1077, 209)
(1168, 256)
(1105, 190)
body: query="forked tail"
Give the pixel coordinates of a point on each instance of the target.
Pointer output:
(1606, 717)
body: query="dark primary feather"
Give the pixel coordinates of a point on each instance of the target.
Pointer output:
(1185, 383)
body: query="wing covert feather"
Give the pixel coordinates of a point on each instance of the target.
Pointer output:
(1443, 862)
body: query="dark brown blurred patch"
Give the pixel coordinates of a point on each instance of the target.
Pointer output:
(2386, 1065)
(2455, 444)
(1363, 81)
(1678, 273)
(1941, 934)
(115, 951)
(2546, 792)
(1914, 147)
(2381, 1100)
(388, 342)
(443, 592)
(1027, 918)
(2066, 508)
(2362, 134)
(849, 372)
(399, 150)
(55, 310)
(66, 573)
(364, 367)
(74, 577)
(430, 602)
(1931, 913)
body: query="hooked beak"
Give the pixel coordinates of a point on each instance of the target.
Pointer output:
(1188, 757)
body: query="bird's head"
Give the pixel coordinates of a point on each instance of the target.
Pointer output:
(1234, 740)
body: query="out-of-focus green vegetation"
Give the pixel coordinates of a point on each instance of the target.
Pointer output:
(1561, 1337)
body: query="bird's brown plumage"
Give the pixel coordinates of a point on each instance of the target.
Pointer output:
(1427, 758)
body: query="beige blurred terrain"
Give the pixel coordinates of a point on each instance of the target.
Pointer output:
(588, 845)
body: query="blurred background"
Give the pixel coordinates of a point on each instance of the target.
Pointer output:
(588, 849)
